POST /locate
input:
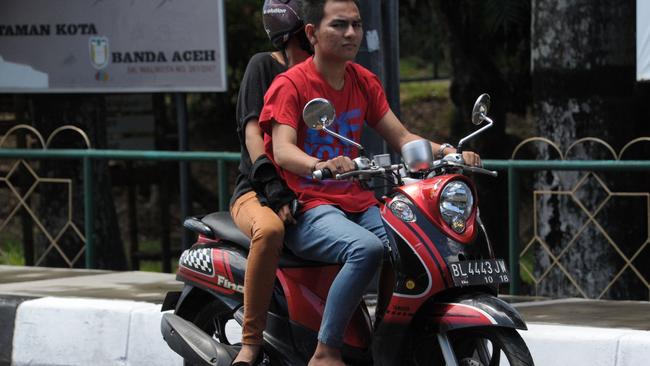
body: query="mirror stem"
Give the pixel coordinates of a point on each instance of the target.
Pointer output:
(462, 141)
(345, 139)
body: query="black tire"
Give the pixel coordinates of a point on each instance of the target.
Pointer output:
(466, 344)
(212, 319)
(476, 347)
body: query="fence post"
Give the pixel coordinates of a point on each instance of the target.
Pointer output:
(513, 228)
(222, 177)
(89, 212)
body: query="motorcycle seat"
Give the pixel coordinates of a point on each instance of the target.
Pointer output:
(221, 226)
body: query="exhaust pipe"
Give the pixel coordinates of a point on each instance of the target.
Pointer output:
(193, 344)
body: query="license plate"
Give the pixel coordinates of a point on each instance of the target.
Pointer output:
(479, 272)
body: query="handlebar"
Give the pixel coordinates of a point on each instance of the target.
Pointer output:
(473, 169)
(326, 173)
(321, 174)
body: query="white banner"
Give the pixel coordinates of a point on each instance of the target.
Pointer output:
(108, 46)
(642, 40)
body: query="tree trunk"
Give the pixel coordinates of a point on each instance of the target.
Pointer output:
(88, 113)
(583, 56)
(493, 60)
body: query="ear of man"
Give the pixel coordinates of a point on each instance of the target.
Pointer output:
(310, 31)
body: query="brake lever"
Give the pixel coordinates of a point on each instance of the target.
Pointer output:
(375, 171)
(472, 169)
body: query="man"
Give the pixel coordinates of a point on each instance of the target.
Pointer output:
(260, 204)
(339, 221)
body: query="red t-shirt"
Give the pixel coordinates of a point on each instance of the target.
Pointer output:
(361, 99)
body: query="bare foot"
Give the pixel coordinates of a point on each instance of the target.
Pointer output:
(326, 356)
(248, 353)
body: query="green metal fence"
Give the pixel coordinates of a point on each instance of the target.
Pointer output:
(514, 167)
(511, 167)
(87, 156)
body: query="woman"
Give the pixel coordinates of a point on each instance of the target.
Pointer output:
(261, 203)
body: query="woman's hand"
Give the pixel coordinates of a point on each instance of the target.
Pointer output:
(285, 215)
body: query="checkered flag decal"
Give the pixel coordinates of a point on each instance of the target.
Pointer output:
(199, 260)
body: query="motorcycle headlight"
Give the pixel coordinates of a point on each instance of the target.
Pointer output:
(401, 209)
(456, 203)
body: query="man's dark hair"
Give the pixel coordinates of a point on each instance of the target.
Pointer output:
(313, 11)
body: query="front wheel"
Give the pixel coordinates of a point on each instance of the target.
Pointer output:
(491, 346)
(488, 346)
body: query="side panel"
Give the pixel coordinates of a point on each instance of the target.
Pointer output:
(306, 291)
(218, 269)
(420, 272)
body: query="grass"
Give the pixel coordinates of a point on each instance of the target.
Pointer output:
(417, 91)
(413, 92)
(415, 67)
(156, 266)
(153, 246)
(11, 252)
(527, 260)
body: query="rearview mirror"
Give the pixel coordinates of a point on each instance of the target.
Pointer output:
(318, 113)
(481, 108)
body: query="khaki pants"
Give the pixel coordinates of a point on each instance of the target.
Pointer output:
(266, 231)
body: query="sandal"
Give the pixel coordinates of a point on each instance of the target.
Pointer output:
(260, 360)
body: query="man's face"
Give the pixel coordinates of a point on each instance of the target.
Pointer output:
(340, 32)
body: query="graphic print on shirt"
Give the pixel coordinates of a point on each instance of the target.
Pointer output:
(325, 147)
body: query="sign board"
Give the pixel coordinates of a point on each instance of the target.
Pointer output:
(109, 46)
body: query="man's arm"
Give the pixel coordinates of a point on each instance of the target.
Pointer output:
(289, 156)
(394, 132)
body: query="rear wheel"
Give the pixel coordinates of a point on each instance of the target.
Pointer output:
(217, 320)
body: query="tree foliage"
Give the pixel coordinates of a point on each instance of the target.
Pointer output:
(212, 115)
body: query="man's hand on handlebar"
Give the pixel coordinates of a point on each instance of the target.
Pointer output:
(472, 159)
(337, 165)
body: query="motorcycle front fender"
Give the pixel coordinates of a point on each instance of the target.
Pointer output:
(473, 310)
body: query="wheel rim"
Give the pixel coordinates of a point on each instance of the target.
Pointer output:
(487, 347)
(478, 352)
(214, 320)
(219, 321)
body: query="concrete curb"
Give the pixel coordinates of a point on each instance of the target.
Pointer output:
(79, 331)
(572, 345)
(8, 306)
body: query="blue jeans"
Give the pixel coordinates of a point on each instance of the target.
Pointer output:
(355, 240)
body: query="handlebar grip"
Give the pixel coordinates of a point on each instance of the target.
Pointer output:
(321, 174)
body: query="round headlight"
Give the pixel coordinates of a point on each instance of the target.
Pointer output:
(456, 205)
(401, 209)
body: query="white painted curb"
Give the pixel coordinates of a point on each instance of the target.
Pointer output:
(69, 331)
(55, 331)
(561, 345)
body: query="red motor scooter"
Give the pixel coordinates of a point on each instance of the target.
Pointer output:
(443, 308)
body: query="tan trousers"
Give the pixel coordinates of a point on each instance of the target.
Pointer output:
(266, 231)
